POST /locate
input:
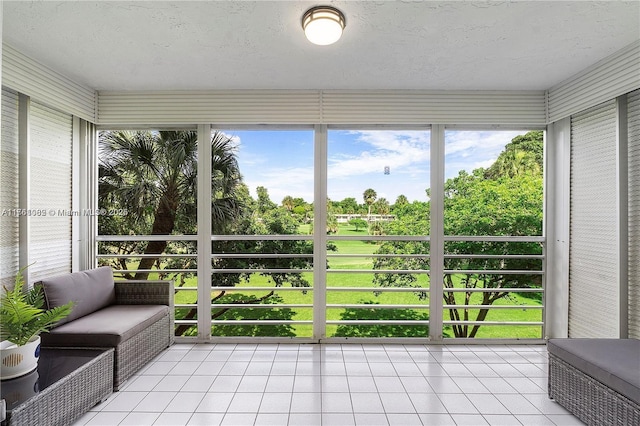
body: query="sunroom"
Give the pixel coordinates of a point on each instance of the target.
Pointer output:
(493, 145)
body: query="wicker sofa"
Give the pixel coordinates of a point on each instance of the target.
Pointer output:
(598, 380)
(133, 317)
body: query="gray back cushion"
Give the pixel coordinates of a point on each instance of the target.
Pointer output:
(90, 290)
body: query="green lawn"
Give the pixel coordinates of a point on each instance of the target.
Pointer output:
(364, 281)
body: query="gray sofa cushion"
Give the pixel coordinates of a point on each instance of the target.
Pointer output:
(106, 327)
(91, 290)
(613, 362)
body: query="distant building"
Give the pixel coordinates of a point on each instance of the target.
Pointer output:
(345, 218)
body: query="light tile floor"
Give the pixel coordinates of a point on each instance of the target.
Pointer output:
(333, 384)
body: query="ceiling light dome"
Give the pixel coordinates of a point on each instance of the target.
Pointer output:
(323, 25)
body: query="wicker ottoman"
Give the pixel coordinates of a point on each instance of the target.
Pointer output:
(598, 380)
(67, 383)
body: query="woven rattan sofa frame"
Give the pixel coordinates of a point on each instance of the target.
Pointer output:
(134, 353)
(587, 398)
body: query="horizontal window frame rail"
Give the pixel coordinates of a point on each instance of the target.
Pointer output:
(380, 289)
(378, 322)
(255, 288)
(259, 305)
(420, 238)
(261, 322)
(134, 238)
(185, 322)
(494, 256)
(369, 306)
(165, 271)
(265, 237)
(540, 307)
(492, 290)
(496, 238)
(410, 256)
(185, 305)
(494, 323)
(141, 256)
(259, 255)
(378, 271)
(260, 270)
(492, 272)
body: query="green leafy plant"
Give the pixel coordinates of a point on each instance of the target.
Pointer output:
(22, 313)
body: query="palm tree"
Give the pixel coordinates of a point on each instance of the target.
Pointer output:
(288, 203)
(369, 198)
(154, 174)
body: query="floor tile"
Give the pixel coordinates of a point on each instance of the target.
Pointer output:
(272, 419)
(371, 419)
(487, 404)
(173, 419)
(305, 419)
(214, 403)
(338, 419)
(205, 419)
(310, 402)
(458, 404)
(140, 419)
(404, 420)
(469, 419)
(397, 403)
(338, 402)
(124, 401)
(437, 419)
(155, 402)
(336, 385)
(107, 419)
(239, 419)
(501, 420)
(518, 404)
(185, 402)
(276, 402)
(245, 403)
(366, 403)
(171, 383)
(198, 383)
(427, 403)
(534, 420)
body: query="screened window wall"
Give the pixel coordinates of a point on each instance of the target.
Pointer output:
(324, 233)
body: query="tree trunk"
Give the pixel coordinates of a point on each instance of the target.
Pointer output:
(163, 224)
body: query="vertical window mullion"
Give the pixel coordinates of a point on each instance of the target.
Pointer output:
(436, 246)
(204, 232)
(319, 234)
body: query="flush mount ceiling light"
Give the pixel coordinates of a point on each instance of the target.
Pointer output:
(323, 25)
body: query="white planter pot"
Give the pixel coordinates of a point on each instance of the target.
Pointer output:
(16, 360)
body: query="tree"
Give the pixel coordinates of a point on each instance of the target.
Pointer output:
(506, 206)
(505, 199)
(382, 206)
(288, 203)
(401, 200)
(369, 196)
(264, 202)
(349, 205)
(153, 176)
(358, 223)
(523, 155)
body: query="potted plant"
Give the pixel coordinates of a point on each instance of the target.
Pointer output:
(22, 319)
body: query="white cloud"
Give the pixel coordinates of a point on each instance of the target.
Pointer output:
(394, 149)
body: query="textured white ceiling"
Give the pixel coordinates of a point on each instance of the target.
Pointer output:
(152, 45)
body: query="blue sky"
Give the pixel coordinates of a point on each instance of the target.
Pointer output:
(282, 161)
